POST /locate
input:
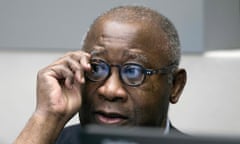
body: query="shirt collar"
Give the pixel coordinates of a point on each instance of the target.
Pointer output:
(167, 128)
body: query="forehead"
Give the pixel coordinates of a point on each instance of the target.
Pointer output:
(124, 39)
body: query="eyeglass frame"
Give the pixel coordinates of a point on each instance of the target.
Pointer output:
(146, 71)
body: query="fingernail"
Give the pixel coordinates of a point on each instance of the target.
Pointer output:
(88, 65)
(83, 80)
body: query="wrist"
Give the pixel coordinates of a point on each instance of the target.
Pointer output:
(40, 128)
(48, 118)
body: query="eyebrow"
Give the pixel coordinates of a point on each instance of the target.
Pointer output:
(130, 54)
(98, 52)
(136, 56)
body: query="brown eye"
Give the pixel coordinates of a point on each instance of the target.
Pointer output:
(99, 71)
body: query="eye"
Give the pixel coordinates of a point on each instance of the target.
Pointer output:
(132, 72)
(99, 71)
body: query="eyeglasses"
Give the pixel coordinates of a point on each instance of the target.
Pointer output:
(131, 74)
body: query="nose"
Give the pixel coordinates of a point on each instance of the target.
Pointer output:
(112, 89)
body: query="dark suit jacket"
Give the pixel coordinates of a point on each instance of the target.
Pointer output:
(71, 134)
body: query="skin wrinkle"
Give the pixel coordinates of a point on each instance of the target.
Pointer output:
(132, 55)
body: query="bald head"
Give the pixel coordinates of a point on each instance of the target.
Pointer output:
(150, 19)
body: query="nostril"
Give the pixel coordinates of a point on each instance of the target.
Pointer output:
(112, 98)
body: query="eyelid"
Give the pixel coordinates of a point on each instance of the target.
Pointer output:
(97, 60)
(97, 52)
(134, 62)
(142, 67)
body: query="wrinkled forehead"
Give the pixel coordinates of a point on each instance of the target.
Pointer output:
(134, 37)
(133, 54)
(143, 32)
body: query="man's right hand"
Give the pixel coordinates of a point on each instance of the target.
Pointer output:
(59, 97)
(60, 84)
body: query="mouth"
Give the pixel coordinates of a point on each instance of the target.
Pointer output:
(110, 118)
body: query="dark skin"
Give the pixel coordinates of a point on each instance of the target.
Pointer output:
(62, 89)
(145, 105)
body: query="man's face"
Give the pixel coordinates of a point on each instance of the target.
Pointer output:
(112, 102)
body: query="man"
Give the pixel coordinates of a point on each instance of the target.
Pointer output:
(126, 74)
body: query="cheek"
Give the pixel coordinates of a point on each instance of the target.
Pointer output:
(87, 102)
(160, 90)
(150, 95)
(155, 85)
(88, 93)
(151, 101)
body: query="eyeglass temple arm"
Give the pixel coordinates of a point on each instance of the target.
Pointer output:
(165, 70)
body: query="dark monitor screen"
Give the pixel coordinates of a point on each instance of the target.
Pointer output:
(138, 135)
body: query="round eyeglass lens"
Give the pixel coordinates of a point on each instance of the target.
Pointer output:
(132, 74)
(99, 71)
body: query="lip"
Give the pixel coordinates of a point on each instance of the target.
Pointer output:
(110, 118)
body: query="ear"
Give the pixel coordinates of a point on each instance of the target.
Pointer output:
(179, 81)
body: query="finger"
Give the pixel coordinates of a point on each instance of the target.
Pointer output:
(83, 60)
(78, 62)
(79, 76)
(77, 68)
(81, 57)
(62, 72)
